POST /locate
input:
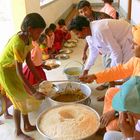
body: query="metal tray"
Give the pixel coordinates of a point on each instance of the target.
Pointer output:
(62, 56)
(66, 51)
(53, 63)
(69, 44)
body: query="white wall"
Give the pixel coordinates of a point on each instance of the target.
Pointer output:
(6, 22)
(135, 14)
(50, 12)
(124, 6)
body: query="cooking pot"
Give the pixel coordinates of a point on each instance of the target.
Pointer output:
(73, 85)
(53, 114)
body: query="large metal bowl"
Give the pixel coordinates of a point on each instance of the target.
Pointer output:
(89, 137)
(73, 85)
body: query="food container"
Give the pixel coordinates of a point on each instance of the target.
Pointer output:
(73, 85)
(68, 122)
(73, 70)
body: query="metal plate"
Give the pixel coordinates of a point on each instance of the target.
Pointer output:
(69, 44)
(73, 40)
(62, 56)
(66, 51)
(53, 63)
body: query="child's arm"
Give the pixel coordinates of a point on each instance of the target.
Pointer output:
(28, 86)
(32, 67)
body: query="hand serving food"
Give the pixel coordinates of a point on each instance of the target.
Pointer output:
(45, 87)
(87, 78)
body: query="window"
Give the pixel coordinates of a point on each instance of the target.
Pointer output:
(43, 2)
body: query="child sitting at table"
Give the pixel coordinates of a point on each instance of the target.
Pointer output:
(49, 32)
(36, 56)
(61, 35)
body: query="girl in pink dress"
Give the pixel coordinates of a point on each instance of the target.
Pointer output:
(36, 55)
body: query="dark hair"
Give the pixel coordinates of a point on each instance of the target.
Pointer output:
(33, 20)
(41, 38)
(78, 23)
(52, 26)
(108, 1)
(47, 30)
(61, 22)
(82, 4)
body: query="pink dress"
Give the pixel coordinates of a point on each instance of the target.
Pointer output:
(110, 10)
(36, 56)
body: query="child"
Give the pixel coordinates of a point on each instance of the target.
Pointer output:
(61, 35)
(63, 28)
(121, 71)
(50, 39)
(109, 9)
(12, 78)
(36, 56)
(7, 104)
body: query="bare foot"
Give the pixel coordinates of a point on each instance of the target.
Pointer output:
(29, 128)
(8, 116)
(100, 98)
(22, 136)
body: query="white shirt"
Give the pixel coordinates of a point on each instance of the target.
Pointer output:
(110, 36)
(138, 126)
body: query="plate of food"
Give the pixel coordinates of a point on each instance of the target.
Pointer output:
(62, 56)
(66, 51)
(69, 44)
(73, 40)
(53, 63)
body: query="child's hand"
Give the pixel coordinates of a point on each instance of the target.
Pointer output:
(87, 78)
(38, 95)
